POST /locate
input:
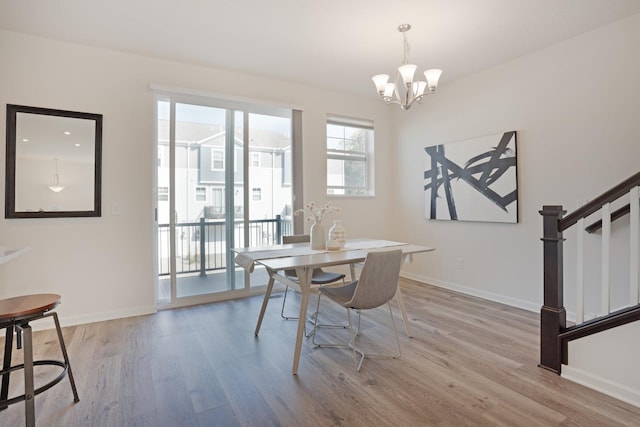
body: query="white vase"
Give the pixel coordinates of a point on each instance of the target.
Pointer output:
(318, 236)
(337, 232)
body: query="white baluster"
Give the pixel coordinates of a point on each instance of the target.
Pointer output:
(634, 227)
(606, 240)
(580, 272)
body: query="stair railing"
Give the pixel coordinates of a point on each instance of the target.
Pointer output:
(554, 333)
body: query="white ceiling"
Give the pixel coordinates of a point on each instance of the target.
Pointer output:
(332, 44)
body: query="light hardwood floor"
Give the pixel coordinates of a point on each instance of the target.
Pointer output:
(471, 363)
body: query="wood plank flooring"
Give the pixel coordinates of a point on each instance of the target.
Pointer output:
(471, 363)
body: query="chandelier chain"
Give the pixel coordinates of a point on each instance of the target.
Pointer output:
(407, 49)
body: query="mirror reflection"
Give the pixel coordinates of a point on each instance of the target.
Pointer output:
(53, 163)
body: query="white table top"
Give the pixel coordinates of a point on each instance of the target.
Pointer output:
(7, 254)
(301, 255)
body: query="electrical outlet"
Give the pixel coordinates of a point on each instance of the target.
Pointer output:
(460, 263)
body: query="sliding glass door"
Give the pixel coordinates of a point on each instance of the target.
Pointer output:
(223, 181)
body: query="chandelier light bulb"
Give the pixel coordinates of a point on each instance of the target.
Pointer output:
(389, 89)
(432, 77)
(407, 71)
(380, 81)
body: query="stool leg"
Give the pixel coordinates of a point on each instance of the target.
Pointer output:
(29, 401)
(66, 358)
(19, 339)
(8, 346)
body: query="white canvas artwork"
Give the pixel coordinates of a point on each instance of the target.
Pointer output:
(473, 180)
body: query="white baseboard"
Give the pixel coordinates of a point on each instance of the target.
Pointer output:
(107, 315)
(602, 385)
(94, 317)
(44, 325)
(514, 302)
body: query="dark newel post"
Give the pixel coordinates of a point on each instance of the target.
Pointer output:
(278, 230)
(553, 317)
(203, 261)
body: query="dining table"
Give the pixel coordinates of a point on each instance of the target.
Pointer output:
(303, 260)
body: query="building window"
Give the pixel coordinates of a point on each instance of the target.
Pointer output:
(217, 160)
(163, 156)
(201, 194)
(255, 160)
(349, 157)
(218, 200)
(256, 194)
(163, 194)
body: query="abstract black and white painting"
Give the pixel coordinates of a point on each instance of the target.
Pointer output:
(473, 180)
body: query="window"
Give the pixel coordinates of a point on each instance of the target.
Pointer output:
(217, 159)
(163, 156)
(201, 194)
(218, 198)
(256, 194)
(349, 157)
(255, 160)
(163, 194)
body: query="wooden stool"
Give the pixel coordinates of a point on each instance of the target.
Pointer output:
(15, 314)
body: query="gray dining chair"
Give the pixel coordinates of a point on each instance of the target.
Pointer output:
(375, 287)
(319, 277)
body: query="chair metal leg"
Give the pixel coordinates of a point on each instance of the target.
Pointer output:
(355, 332)
(380, 356)
(284, 300)
(313, 318)
(316, 326)
(352, 344)
(66, 358)
(395, 332)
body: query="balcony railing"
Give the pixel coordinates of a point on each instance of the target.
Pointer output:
(202, 246)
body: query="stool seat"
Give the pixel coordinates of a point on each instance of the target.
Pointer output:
(16, 308)
(15, 315)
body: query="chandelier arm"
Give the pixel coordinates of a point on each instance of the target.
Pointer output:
(389, 100)
(406, 99)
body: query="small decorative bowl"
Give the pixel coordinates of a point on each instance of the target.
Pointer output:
(333, 245)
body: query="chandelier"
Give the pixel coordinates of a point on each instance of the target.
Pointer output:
(408, 91)
(56, 187)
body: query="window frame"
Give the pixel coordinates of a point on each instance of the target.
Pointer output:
(200, 191)
(163, 193)
(366, 156)
(214, 159)
(255, 159)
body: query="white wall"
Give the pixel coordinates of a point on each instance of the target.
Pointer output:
(103, 266)
(575, 109)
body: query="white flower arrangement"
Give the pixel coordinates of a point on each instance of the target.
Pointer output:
(316, 213)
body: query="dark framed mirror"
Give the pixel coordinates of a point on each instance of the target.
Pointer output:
(53, 163)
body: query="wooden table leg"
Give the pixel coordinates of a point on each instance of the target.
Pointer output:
(304, 279)
(267, 294)
(352, 270)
